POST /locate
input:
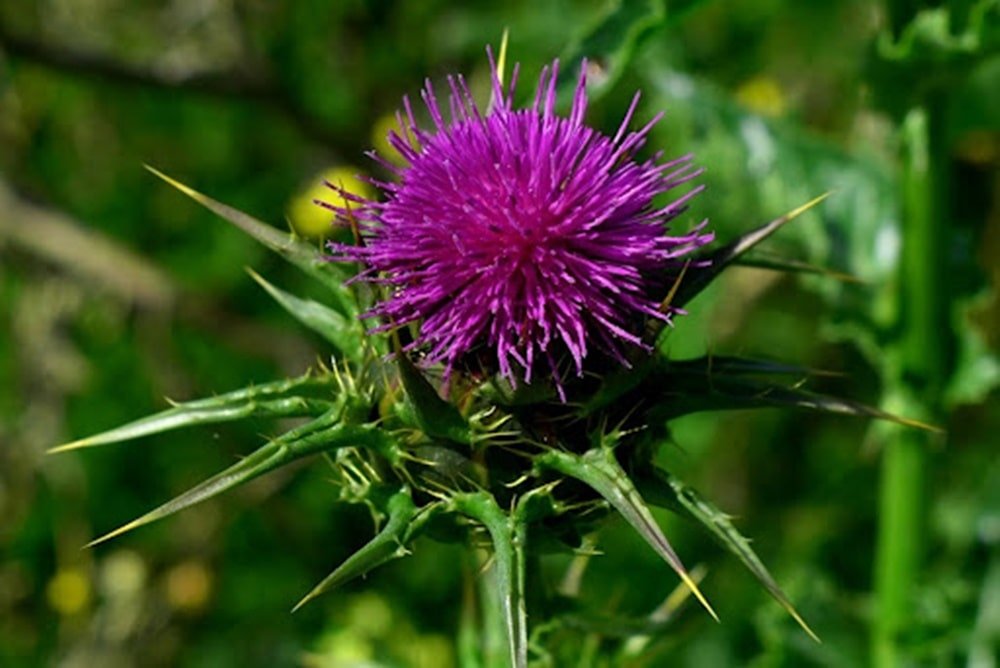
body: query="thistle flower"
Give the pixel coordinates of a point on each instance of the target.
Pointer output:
(521, 231)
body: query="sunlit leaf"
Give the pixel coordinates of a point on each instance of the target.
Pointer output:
(323, 434)
(303, 255)
(436, 417)
(307, 395)
(664, 489)
(708, 265)
(599, 469)
(346, 334)
(390, 543)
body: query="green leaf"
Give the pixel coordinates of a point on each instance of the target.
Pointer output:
(611, 41)
(599, 469)
(304, 256)
(930, 43)
(323, 434)
(661, 488)
(699, 275)
(693, 390)
(437, 418)
(387, 545)
(296, 397)
(447, 468)
(346, 334)
(977, 369)
(714, 366)
(619, 384)
(508, 535)
(762, 260)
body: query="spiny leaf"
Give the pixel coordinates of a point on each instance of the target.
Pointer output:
(664, 489)
(776, 263)
(599, 469)
(346, 334)
(301, 254)
(437, 417)
(508, 535)
(707, 266)
(323, 434)
(694, 393)
(388, 544)
(296, 397)
(719, 366)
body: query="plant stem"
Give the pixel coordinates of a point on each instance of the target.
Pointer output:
(915, 378)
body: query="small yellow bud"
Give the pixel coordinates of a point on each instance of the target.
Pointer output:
(188, 586)
(762, 94)
(312, 221)
(123, 575)
(68, 592)
(380, 138)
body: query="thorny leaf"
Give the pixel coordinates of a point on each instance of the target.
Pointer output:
(661, 488)
(776, 263)
(302, 255)
(436, 417)
(328, 432)
(695, 387)
(346, 334)
(706, 266)
(307, 395)
(599, 469)
(388, 544)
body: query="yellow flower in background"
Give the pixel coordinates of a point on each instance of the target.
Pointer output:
(123, 576)
(69, 591)
(380, 138)
(188, 586)
(312, 221)
(764, 95)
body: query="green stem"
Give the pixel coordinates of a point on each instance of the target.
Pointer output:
(914, 382)
(508, 535)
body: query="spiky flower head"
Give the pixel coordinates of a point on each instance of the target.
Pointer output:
(522, 232)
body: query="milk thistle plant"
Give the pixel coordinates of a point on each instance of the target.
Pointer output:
(496, 374)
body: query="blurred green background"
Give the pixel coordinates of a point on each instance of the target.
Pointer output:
(116, 292)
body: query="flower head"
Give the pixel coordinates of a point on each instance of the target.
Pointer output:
(520, 231)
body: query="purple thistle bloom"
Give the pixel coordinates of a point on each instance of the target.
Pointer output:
(522, 231)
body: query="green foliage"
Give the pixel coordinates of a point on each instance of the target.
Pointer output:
(436, 473)
(675, 494)
(435, 416)
(249, 102)
(308, 395)
(390, 543)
